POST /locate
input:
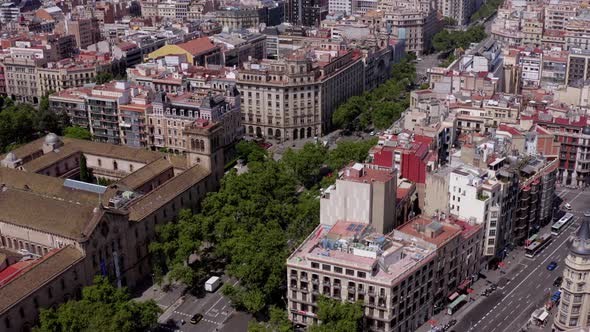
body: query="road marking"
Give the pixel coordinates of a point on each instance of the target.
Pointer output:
(220, 298)
(517, 317)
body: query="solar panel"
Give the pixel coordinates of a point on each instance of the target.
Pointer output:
(89, 187)
(359, 227)
(350, 227)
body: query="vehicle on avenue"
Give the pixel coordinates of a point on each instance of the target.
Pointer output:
(212, 284)
(561, 224)
(552, 266)
(568, 206)
(196, 318)
(587, 213)
(535, 244)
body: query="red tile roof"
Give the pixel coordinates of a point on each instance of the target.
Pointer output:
(197, 46)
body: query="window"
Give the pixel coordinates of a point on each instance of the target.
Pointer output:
(361, 274)
(115, 166)
(315, 265)
(326, 267)
(99, 162)
(349, 272)
(337, 269)
(130, 168)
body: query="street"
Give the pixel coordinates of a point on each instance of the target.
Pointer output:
(528, 285)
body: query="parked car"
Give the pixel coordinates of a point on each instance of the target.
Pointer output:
(568, 206)
(552, 266)
(196, 318)
(587, 213)
(558, 281)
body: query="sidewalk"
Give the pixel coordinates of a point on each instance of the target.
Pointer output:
(512, 267)
(168, 300)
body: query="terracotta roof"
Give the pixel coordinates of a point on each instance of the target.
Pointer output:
(45, 269)
(149, 203)
(146, 173)
(197, 46)
(50, 215)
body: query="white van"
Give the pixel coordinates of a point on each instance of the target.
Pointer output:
(212, 284)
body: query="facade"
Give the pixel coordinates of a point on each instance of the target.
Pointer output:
(79, 230)
(459, 10)
(392, 278)
(65, 74)
(21, 78)
(574, 307)
(295, 97)
(362, 194)
(306, 12)
(578, 66)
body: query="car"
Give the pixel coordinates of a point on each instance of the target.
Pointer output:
(552, 266)
(419, 59)
(568, 206)
(587, 213)
(196, 318)
(557, 282)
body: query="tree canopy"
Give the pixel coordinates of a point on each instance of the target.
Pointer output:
(102, 308)
(337, 316)
(487, 9)
(447, 41)
(22, 123)
(103, 77)
(252, 223)
(78, 132)
(381, 106)
(278, 322)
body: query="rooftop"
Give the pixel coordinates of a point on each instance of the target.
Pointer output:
(385, 258)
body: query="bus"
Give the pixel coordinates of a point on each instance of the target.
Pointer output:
(561, 224)
(537, 245)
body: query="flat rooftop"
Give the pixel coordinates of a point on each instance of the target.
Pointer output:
(355, 245)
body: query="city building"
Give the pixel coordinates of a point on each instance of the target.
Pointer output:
(349, 261)
(306, 12)
(578, 65)
(574, 308)
(294, 97)
(362, 194)
(78, 230)
(70, 73)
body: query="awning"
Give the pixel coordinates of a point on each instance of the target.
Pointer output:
(464, 284)
(457, 301)
(453, 296)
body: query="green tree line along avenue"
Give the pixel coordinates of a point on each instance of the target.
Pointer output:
(253, 222)
(383, 105)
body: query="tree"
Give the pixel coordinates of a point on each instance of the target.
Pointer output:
(250, 151)
(278, 322)
(78, 132)
(102, 308)
(336, 316)
(85, 172)
(348, 151)
(103, 77)
(306, 164)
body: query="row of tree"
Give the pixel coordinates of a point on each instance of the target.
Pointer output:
(253, 222)
(486, 10)
(335, 316)
(448, 41)
(383, 105)
(101, 308)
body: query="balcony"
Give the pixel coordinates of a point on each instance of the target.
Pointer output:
(293, 276)
(303, 278)
(315, 281)
(337, 286)
(361, 291)
(351, 289)
(326, 283)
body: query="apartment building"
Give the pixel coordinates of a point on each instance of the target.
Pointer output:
(73, 103)
(557, 15)
(295, 97)
(349, 261)
(85, 31)
(416, 26)
(459, 252)
(577, 34)
(22, 79)
(578, 66)
(482, 115)
(206, 122)
(459, 10)
(306, 12)
(78, 230)
(69, 73)
(574, 154)
(363, 194)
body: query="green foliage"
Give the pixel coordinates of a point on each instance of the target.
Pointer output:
(449, 21)
(250, 151)
(446, 41)
(383, 105)
(85, 172)
(278, 322)
(348, 151)
(306, 163)
(77, 132)
(253, 222)
(102, 308)
(103, 77)
(22, 123)
(424, 86)
(488, 9)
(337, 316)
(448, 61)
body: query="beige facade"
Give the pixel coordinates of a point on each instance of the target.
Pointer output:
(55, 78)
(81, 231)
(574, 309)
(394, 279)
(21, 79)
(294, 98)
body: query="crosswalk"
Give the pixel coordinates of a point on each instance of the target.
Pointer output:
(190, 316)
